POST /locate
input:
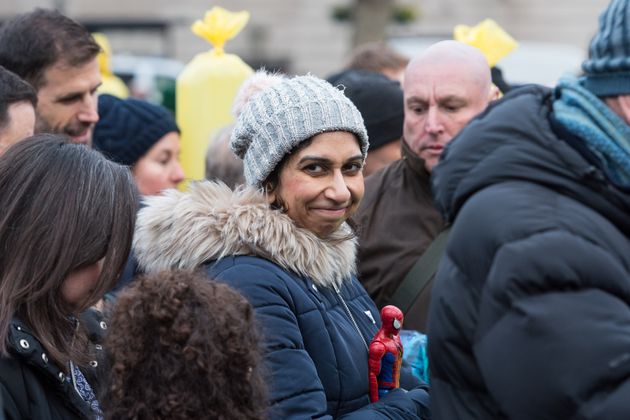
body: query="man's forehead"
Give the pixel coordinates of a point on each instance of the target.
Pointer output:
(442, 86)
(62, 76)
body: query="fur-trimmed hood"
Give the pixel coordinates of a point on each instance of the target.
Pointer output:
(210, 221)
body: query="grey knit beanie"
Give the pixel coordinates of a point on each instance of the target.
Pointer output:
(607, 69)
(273, 121)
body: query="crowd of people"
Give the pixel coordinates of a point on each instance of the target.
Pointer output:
(499, 225)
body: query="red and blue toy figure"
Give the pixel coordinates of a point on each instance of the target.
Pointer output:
(386, 354)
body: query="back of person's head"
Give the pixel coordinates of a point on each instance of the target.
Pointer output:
(64, 207)
(380, 101)
(183, 347)
(221, 163)
(18, 101)
(128, 128)
(13, 90)
(30, 43)
(607, 69)
(378, 57)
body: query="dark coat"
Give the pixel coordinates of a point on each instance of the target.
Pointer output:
(397, 221)
(32, 386)
(530, 313)
(316, 326)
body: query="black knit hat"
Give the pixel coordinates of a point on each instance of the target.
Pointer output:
(128, 128)
(607, 69)
(380, 101)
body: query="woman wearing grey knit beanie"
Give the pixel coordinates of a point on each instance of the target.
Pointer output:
(283, 242)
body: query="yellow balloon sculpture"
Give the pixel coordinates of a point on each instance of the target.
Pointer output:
(111, 83)
(207, 86)
(489, 37)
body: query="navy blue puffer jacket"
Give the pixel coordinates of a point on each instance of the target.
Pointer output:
(316, 319)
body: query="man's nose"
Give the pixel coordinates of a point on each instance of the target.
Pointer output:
(433, 123)
(89, 112)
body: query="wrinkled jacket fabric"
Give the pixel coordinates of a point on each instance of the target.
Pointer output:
(530, 313)
(315, 318)
(397, 221)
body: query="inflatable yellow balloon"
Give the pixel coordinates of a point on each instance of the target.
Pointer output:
(111, 84)
(489, 37)
(207, 86)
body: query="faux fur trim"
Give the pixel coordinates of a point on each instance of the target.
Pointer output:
(184, 230)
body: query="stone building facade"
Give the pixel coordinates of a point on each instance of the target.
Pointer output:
(301, 35)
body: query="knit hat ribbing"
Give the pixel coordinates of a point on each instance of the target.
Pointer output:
(128, 128)
(277, 119)
(607, 70)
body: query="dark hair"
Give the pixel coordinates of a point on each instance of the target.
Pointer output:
(273, 180)
(64, 207)
(376, 56)
(13, 90)
(182, 346)
(30, 43)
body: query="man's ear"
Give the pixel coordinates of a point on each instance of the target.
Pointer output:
(620, 105)
(495, 93)
(624, 107)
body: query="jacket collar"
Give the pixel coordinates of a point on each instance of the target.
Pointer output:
(210, 221)
(413, 161)
(26, 347)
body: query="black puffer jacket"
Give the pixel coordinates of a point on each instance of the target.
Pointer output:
(530, 314)
(32, 386)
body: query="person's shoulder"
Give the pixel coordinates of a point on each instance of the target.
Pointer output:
(245, 264)
(525, 101)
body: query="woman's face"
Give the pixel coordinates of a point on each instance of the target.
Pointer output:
(79, 285)
(321, 185)
(159, 168)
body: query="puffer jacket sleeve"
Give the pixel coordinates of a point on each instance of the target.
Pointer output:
(397, 405)
(295, 391)
(553, 337)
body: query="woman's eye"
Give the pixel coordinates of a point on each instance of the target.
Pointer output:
(353, 167)
(314, 168)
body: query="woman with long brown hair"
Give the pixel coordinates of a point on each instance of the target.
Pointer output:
(66, 223)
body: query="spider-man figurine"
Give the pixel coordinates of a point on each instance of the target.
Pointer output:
(386, 353)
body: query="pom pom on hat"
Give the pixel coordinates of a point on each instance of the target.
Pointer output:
(258, 82)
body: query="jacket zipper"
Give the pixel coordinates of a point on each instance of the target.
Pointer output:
(356, 326)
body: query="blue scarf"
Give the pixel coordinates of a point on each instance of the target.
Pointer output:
(603, 132)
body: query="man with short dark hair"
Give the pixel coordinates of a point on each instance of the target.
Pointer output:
(58, 57)
(17, 109)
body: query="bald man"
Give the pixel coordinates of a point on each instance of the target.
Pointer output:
(444, 88)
